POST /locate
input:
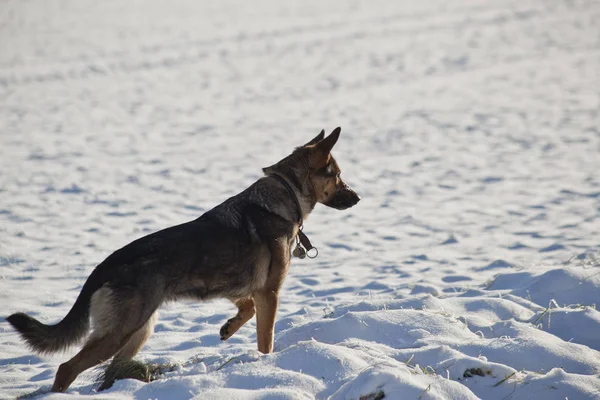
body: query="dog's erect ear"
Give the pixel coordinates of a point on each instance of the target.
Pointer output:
(320, 156)
(316, 139)
(325, 145)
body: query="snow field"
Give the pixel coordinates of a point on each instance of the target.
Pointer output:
(469, 128)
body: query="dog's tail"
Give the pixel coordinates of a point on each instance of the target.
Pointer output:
(74, 326)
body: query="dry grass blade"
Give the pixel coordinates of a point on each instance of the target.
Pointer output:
(427, 389)
(507, 377)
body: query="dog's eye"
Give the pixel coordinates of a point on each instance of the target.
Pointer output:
(327, 172)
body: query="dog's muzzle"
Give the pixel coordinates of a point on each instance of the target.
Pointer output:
(343, 198)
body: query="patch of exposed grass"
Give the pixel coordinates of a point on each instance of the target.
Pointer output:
(132, 369)
(373, 396)
(476, 372)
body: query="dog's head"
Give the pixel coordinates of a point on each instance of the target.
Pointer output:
(324, 173)
(316, 174)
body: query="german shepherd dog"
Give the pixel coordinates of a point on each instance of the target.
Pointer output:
(240, 250)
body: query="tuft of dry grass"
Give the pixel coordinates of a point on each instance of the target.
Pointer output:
(131, 369)
(469, 373)
(373, 396)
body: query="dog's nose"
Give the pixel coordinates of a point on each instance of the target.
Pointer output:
(351, 198)
(355, 197)
(343, 198)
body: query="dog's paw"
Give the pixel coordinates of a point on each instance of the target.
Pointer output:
(225, 331)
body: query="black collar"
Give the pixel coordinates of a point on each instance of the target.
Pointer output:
(288, 187)
(301, 235)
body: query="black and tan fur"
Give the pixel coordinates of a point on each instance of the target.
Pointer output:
(239, 250)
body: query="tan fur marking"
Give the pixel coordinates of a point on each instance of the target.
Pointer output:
(102, 312)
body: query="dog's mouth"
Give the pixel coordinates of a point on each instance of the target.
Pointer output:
(343, 199)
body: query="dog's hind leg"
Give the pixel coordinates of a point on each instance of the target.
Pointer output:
(245, 312)
(137, 340)
(95, 351)
(116, 318)
(127, 352)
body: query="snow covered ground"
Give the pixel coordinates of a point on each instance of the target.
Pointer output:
(470, 129)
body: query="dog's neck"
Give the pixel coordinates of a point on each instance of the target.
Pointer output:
(300, 251)
(304, 205)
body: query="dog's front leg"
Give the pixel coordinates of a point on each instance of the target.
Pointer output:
(266, 299)
(245, 312)
(266, 308)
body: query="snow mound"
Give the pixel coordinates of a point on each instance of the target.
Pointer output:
(396, 328)
(564, 286)
(398, 382)
(475, 344)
